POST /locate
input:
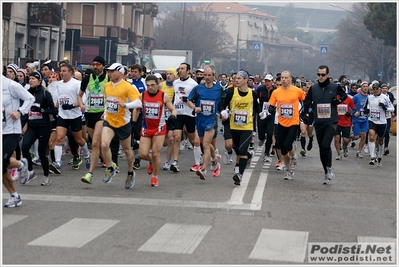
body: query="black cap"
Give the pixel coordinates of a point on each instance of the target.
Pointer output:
(100, 60)
(37, 74)
(376, 85)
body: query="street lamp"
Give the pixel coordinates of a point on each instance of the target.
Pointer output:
(203, 43)
(238, 55)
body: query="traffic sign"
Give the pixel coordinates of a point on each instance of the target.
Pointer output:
(323, 49)
(380, 73)
(207, 61)
(256, 46)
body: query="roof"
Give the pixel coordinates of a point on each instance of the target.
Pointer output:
(229, 8)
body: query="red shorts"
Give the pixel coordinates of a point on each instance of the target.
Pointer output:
(153, 132)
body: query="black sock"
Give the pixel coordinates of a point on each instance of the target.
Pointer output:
(242, 165)
(303, 142)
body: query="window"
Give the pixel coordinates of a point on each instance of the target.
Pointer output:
(88, 20)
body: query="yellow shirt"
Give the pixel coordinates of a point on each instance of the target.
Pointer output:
(241, 111)
(116, 115)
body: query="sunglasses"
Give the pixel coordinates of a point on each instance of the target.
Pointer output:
(321, 74)
(95, 64)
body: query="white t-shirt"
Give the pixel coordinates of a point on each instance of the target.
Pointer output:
(68, 94)
(183, 88)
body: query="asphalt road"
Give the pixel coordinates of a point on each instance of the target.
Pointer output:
(267, 220)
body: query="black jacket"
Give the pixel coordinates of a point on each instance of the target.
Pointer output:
(44, 100)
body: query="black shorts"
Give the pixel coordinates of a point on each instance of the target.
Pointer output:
(226, 130)
(93, 118)
(344, 131)
(185, 120)
(10, 143)
(75, 124)
(380, 129)
(169, 126)
(121, 133)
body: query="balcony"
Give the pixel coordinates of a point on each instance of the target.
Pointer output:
(45, 14)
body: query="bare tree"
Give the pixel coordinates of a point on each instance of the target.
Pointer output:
(205, 38)
(355, 47)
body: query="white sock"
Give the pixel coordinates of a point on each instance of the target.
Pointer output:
(15, 194)
(58, 152)
(381, 150)
(197, 154)
(372, 149)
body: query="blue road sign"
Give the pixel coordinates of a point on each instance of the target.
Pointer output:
(256, 46)
(323, 49)
(380, 73)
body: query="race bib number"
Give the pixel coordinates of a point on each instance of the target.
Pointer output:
(323, 111)
(240, 117)
(286, 111)
(63, 100)
(207, 107)
(342, 108)
(167, 112)
(375, 115)
(179, 106)
(96, 101)
(265, 107)
(361, 114)
(112, 107)
(152, 110)
(34, 115)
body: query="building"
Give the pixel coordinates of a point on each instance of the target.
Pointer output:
(120, 32)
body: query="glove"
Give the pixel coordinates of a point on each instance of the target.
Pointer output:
(262, 115)
(382, 105)
(347, 114)
(335, 101)
(184, 98)
(193, 112)
(172, 118)
(224, 114)
(366, 111)
(272, 110)
(35, 109)
(67, 106)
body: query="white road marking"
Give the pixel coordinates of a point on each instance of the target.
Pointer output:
(176, 238)
(239, 191)
(256, 202)
(9, 219)
(280, 245)
(75, 233)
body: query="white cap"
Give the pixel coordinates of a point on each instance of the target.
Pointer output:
(269, 77)
(116, 66)
(199, 70)
(158, 75)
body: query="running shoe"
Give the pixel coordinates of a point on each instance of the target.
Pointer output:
(166, 166)
(346, 152)
(252, 145)
(273, 151)
(201, 173)
(76, 163)
(56, 167)
(353, 144)
(109, 174)
(129, 183)
(386, 151)
(136, 164)
(228, 158)
(251, 155)
(182, 145)
(303, 152)
(288, 174)
(277, 164)
(46, 181)
(189, 146)
(87, 178)
(267, 159)
(326, 180)
(103, 165)
(36, 161)
(330, 175)
(154, 181)
(237, 179)
(379, 162)
(366, 148)
(117, 170)
(215, 162)
(149, 169)
(294, 163)
(372, 161)
(310, 145)
(195, 168)
(31, 177)
(15, 174)
(23, 171)
(359, 154)
(236, 169)
(174, 167)
(13, 202)
(87, 160)
(216, 171)
(282, 167)
(260, 143)
(339, 157)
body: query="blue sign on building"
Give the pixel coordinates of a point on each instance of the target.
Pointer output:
(256, 46)
(323, 49)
